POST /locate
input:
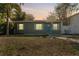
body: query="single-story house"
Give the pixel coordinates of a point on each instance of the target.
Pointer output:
(36, 28)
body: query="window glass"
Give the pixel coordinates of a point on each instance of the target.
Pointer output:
(38, 26)
(55, 26)
(21, 26)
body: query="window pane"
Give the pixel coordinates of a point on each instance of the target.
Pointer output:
(38, 26)
(21, 26)
(55, 26)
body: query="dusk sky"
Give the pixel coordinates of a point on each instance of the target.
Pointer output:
(39, 10)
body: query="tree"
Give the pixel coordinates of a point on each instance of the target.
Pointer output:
(29, 17)
(7, 8)
(19, 16)
(52, 17)
(2, 24)
(63, 11)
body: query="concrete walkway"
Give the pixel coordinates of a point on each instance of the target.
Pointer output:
(69, 39)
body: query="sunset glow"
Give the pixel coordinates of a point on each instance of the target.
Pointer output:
(39, 10)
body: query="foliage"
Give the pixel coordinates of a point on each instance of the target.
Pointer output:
(2, 19)
(63, 11)
(29, 17)
(18, 16)
(52, 17)
(8, 8)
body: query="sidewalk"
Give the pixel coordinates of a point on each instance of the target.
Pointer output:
(69, 39)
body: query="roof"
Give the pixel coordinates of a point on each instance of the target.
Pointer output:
(74, 15)
(31, 21)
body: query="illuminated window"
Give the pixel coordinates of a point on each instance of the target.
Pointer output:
(55, 26)
(38, 26)
(21, 26)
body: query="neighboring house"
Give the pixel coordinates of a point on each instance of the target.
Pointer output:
(73, 27)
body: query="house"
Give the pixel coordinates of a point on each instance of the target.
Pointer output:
(36, 28)
(73, 27)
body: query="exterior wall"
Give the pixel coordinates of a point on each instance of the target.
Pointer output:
(29, 28)
(73, 28)
(75, 24)
(65, 29)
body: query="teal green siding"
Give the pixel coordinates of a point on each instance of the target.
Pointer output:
(29, 29)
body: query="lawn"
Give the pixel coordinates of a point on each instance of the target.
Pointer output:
(37, 46)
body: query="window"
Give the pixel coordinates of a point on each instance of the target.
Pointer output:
(21, 26)
(38, 26)
(55, 26)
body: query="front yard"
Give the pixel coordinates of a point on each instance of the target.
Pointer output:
(37, 46)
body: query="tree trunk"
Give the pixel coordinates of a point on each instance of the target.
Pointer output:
(7, 23)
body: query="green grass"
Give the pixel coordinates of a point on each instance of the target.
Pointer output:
(37, 46)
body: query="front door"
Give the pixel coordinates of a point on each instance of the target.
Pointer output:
(48, 29)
